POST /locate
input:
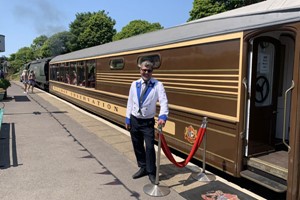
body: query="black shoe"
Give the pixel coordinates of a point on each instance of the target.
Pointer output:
(152, 178)
(142, 172)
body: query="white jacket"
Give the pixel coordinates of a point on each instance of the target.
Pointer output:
(155, 93)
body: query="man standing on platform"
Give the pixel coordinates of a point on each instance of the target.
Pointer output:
(141, 108)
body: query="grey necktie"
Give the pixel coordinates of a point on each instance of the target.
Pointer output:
(144, 91)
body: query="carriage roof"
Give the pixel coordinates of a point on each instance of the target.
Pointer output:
(263, 14)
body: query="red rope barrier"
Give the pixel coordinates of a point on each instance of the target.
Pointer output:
(196, 145)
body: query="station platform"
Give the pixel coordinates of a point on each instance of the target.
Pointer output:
(50, 149)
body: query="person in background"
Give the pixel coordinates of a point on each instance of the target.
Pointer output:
(24, 78)
(58, 78)
(74, 82)
(141, 109)
(31, 80)
(1, 73)
(68, 80)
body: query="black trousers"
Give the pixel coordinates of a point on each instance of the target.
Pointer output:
(142, 130)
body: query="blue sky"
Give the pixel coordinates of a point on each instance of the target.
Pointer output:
(22, 21)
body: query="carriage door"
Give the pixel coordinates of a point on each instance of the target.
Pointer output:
(264, 92)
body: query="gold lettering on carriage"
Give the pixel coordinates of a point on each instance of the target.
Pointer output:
(113, 108)
(93, 101)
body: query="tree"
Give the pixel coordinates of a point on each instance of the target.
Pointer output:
(24, 54)
(37, 44)
(17, 60)
(204, 8)
(57, 44)
(137, 27)
(232, 4)
(91, 29)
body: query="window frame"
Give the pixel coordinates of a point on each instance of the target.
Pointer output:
(111, 63)
(154, 58)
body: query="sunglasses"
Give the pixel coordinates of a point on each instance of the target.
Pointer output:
(147, 70)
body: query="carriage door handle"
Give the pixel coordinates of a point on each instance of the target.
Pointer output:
(284, 116)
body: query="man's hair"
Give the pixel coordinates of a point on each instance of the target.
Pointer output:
(147, 63)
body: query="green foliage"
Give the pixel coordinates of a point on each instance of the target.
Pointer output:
(232, 4)
(91, 29)
(57, 44)
(204, 8)
(137, 27)
(17, 60)
(37, 44)
(4, 83)
(25, 54)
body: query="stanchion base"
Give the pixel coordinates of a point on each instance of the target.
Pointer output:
(156, 190)
(204, 177)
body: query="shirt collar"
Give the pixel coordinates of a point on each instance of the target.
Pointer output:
(143, 81)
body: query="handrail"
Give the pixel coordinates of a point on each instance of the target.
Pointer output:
(284, 116)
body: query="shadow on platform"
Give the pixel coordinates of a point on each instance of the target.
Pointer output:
(8, 148)
(21, 98)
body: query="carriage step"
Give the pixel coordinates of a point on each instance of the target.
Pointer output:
(264, 181)
(273, 163)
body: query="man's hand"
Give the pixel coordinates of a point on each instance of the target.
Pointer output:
(128, 127)
(161, 122)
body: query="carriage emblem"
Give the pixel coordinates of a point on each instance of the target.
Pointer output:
(190, 134)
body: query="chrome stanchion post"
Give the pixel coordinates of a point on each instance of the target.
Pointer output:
(203, 176)
(157, 189)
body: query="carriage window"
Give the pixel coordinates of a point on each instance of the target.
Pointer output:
(91, 65)
(72, 76)
(61, 72)
(155, 59)
(116, 63)
(81, 73)
(53, 72)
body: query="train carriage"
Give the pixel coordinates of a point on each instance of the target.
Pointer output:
(239, 68)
